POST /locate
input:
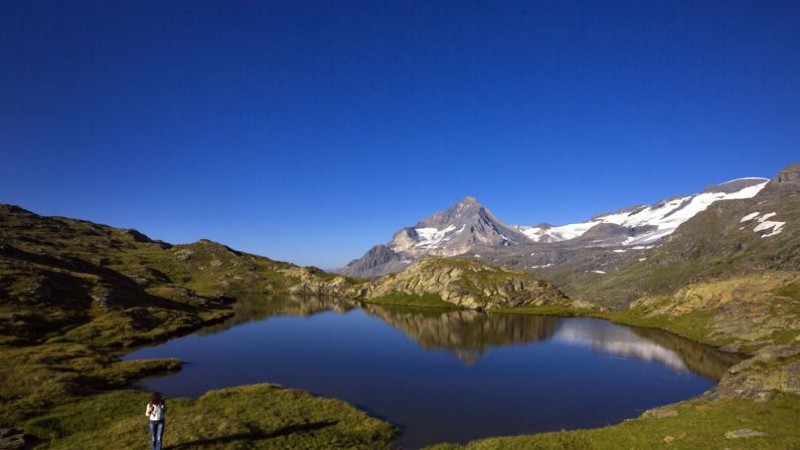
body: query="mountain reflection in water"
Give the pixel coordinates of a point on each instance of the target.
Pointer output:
(466, 334)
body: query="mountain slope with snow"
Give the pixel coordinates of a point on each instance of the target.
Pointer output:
(647, 224)
(743, 236)
(597, 246)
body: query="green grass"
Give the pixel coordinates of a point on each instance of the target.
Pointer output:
(37, 378)
(698, 425)
(253, 416)
(545, 310)
(412, 300)
(692, 326)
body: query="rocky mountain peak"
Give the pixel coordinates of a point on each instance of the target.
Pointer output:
(469, 227)
(789, 175)
(451, 232)
(464, 210)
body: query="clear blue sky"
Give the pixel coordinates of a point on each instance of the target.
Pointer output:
(309, 131)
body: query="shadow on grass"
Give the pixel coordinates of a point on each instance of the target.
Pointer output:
(254, 435)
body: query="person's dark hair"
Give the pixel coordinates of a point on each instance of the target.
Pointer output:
(156, 398)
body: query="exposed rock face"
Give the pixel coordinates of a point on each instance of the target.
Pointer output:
(458, 230)
(753, 380)
(312, 283)
(788, 179)
(11, 438)
(378, 260)
(467, 283)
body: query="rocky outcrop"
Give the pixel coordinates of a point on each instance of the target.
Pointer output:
(773, 369)
(787, 180)
(468, 284)
(12, 438)
(747, 311)
(311, 282)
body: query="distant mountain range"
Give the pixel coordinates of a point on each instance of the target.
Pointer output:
(470, 229)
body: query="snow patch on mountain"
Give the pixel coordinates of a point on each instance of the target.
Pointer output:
(764, 224)
(749, 217)
(555, 234)
(432, 237)
(648, 224)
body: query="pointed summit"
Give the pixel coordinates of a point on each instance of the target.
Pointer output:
(469, 201)
(788, 179)
(455, 231)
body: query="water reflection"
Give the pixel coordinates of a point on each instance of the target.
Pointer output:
(619, 341)
(465, 334)
(251, 310)
(701, 359)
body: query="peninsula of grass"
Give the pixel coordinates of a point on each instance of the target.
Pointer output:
(261, 416)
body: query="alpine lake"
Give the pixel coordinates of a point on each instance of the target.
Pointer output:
(445, 375)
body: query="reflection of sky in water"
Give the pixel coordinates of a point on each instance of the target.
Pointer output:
(513, 373)
(617, 340)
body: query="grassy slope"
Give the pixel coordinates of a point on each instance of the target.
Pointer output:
(697, 425)
(412, 300)
(76, 294)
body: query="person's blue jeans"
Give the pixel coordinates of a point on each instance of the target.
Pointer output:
(156, 433)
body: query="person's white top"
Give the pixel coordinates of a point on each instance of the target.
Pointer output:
(156, 412)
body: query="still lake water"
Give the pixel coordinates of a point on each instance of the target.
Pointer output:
(445, 375)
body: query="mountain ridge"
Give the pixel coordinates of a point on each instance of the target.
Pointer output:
(469, 227)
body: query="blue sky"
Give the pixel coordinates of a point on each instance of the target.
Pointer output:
(309, 131)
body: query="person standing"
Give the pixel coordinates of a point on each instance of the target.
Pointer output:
(157, 413)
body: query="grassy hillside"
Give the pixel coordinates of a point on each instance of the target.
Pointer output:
(75, 295)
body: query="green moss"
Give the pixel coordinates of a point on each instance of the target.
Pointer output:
(254, 416)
